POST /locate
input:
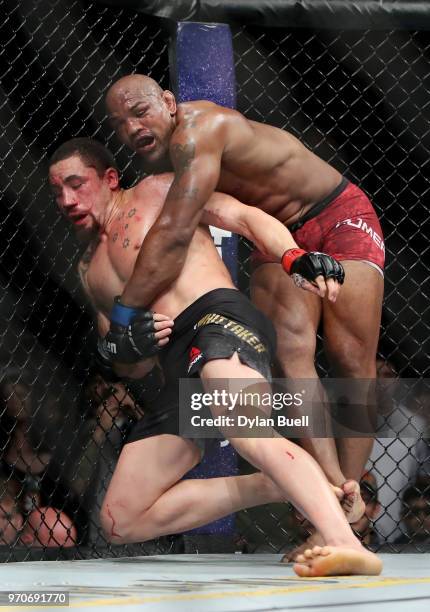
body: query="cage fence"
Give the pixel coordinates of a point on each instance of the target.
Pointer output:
(357, 98)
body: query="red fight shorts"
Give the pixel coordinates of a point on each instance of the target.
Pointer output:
(347, 228)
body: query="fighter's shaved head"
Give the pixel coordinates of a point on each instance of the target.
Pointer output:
(133, 83)
(143, 116)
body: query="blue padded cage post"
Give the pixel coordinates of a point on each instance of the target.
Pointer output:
(202, 68)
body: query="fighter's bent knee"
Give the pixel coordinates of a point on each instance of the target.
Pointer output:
(122, 527)
(117, 524)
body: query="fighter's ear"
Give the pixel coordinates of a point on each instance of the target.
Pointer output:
(112, 178)
(170, 102)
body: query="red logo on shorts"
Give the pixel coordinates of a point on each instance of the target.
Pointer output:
(195, 356)
(195, 352)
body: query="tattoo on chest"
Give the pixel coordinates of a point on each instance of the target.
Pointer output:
(182, 156)
(120, 234)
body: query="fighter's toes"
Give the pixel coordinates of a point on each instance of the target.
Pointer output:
(338, 561)
(302, 570)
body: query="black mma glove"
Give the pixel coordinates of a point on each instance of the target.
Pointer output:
(300, 264)
(102, 364)
(132, 334)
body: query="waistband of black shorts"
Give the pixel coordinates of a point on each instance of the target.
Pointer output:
(319, 206)
(205, 301)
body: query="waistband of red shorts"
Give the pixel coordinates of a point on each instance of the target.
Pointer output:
(319, 206)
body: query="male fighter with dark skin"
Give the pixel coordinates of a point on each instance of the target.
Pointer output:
(210, 147)
(146, 497)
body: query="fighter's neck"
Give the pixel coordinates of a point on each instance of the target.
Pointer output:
(114, 205)
(104, 221)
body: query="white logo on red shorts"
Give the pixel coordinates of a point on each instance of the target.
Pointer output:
(367, 229)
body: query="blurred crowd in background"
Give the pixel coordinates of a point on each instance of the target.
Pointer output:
(56, 464)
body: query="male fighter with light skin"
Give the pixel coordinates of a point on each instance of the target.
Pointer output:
(146, 497)
(210, 147)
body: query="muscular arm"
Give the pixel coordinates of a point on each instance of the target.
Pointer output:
(196, 156)
(268, 234)
(272, 238)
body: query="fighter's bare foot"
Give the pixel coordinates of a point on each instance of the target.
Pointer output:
(337, 561)
(352, 503)
(315, 539)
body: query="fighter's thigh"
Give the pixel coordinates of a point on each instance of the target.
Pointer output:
(147, 468)
(226, 369)
(351, 324)
(233, 376)
(294, 312)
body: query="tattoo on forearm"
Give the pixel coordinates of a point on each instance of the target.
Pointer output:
(182, 156)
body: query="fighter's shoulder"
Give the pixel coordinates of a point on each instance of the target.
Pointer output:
(198, 107)
(150, 185)
(203, 114)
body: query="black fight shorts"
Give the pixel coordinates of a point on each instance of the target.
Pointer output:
(217, 325)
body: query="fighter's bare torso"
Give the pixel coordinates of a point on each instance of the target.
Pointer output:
(109, 261)
(260, 164)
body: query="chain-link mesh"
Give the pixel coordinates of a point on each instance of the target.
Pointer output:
(358, 99)
(60, 443)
